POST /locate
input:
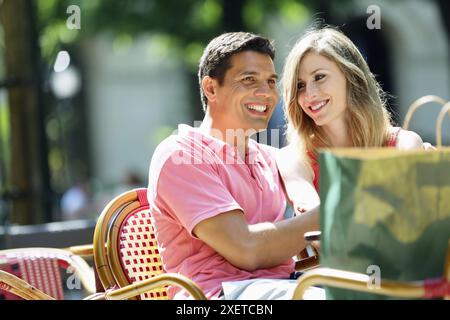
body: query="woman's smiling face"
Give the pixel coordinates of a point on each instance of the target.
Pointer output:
(322, 89)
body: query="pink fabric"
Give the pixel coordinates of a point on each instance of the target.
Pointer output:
(315, 166)
(392, 142)
(193, 177)
(436, 288)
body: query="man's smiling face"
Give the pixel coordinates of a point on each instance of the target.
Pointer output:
(247, 97)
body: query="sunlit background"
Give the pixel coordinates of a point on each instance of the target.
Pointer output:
(89, 88)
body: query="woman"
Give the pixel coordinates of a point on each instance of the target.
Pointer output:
(332, 100)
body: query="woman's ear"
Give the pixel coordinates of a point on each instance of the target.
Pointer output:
(209, 88)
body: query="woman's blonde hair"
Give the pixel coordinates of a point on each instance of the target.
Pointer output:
(368, 121)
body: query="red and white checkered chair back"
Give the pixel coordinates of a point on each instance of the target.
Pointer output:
(139, 250)
(42, 268)
(126, 252)
(131, 253)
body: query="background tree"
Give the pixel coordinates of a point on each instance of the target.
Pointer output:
(28, 180)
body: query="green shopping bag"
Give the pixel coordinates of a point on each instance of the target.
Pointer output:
(386, 209)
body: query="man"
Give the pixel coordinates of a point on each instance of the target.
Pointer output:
(216, 195)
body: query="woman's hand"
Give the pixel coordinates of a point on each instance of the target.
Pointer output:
(299, 208)
(428, 146)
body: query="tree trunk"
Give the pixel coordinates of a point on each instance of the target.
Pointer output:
(444, 7)
(232, 15)
(29, 187)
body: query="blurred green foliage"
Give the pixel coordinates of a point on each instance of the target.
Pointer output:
(186, 25)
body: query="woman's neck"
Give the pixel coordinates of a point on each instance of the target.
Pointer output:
(338, 134)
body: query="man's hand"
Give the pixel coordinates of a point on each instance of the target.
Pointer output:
(316, 245)
(313, 238)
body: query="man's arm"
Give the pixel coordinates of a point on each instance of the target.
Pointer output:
(256, 246)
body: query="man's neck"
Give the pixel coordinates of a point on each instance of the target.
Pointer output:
(236, 138)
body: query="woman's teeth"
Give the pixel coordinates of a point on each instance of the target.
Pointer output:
(319, 105)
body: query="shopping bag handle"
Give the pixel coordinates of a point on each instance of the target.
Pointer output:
(445, 109)
(419, 103)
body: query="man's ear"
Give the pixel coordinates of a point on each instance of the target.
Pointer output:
(209, 86)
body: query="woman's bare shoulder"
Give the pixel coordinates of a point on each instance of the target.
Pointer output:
(409, 140)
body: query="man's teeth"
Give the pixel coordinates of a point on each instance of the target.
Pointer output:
(319, 105)
(257, 108)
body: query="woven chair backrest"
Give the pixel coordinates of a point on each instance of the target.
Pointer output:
(132, 249)
(43, 267)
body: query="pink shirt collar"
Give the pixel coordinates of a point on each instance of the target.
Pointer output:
(252, 152)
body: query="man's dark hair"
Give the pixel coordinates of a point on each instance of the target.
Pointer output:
(215, 60)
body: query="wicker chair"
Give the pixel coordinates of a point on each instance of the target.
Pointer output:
(38, 273)
(18, 288)
(127, 260)
(428, 289)
(129, 266)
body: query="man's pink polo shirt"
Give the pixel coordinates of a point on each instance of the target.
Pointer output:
(193, 177)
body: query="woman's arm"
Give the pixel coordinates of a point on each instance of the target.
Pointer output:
(297, 178)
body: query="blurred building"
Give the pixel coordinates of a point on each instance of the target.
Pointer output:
(409, 53)
(136, 97)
